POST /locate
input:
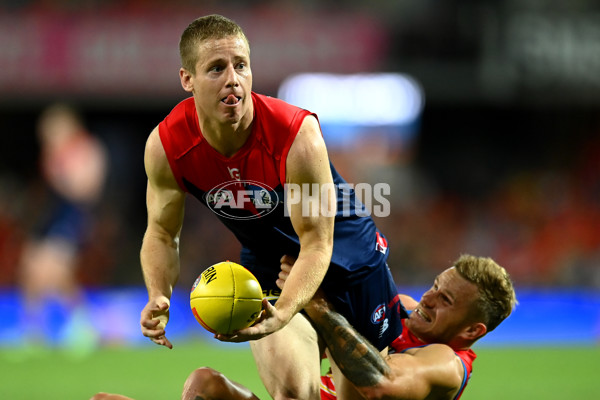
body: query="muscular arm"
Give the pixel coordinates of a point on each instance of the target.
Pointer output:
(431, 372)
(308, 168)
(359, 361)
(307, 163)
(159, 254)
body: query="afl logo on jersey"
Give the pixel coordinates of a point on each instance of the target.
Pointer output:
(381, 243)
(379, 314)
(242, 199)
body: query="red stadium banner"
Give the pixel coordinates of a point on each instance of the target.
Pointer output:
(133, 54)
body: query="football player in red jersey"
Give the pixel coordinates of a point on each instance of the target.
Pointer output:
(255, 161)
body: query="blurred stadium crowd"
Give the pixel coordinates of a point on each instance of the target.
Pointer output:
(506, 162)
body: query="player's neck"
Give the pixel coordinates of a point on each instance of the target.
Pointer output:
(225, 138)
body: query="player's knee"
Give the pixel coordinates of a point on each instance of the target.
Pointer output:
(101, 396)
(206, 383)
(297, 393)
(291, 395)
(109, 396)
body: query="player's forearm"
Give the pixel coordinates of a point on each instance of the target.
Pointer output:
(359, 361)
(304, 279)
(159, 257)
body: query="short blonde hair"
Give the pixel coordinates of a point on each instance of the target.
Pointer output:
(208, 27)
(497, 297)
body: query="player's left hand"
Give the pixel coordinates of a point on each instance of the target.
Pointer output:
(271, 320)
(287, 262)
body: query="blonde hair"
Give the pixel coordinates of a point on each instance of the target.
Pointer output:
(497, 297)
(208, 27)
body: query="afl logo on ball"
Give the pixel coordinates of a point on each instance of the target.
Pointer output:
(379, 314)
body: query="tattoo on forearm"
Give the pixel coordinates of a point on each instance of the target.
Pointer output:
(358, 359)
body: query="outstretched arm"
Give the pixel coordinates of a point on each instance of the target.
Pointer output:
(160, 249)
(360, 362)
(309, 181)
(432, 371)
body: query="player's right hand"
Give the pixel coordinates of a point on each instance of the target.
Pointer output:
(153, 320)
(270, 321)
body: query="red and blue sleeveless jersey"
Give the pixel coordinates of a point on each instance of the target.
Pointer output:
(404, 342)
(409, 341)
(246, 191)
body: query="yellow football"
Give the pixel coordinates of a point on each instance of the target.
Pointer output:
(226, 297)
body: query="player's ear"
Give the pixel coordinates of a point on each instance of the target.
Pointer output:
(475, 331)
(186, 79)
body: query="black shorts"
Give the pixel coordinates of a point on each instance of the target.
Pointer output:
(372, 305)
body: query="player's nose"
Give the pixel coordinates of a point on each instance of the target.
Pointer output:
(428, 299)
(231, 77)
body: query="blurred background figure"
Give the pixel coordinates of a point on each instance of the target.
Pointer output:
(73, 165)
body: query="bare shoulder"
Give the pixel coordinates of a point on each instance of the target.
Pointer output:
(308, 160)
(432, 371)
(155, 161)
(309, 141)
(154, 152)
(445, 367)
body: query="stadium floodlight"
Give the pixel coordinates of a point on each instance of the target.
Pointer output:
(376, 99)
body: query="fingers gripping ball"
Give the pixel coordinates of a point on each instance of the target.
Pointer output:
(226, 297)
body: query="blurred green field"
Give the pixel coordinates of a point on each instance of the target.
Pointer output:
(154, 373)
(144, 373)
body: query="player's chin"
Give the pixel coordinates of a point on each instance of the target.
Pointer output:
(415, 324)
(233, 113)
(231, 118)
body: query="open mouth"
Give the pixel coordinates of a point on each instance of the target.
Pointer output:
(231, 99)
(422, 314)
